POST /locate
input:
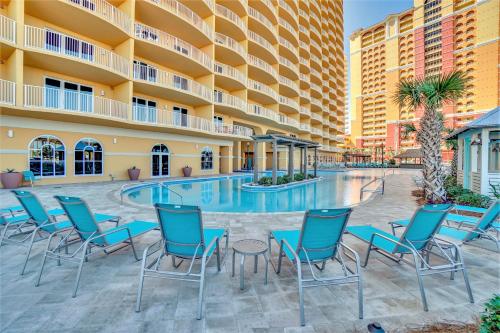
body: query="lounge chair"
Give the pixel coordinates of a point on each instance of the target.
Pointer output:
(12, 210)
(468, 231)
(93, 236)
(417, 240)
(318, 241)
(37, 224)
(183, 238)
(29, 176)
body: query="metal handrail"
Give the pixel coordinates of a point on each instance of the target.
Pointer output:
(129, 186)
(363, 188)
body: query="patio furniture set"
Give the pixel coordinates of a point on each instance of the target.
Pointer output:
(75, 233)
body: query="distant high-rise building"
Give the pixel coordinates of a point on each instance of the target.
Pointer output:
(433, 37)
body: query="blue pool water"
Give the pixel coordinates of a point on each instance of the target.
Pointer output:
(336, 189)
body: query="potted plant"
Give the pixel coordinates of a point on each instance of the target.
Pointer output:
(11, 178)
(187, 171)
(133, 173)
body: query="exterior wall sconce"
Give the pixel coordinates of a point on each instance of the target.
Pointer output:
(10, 133)
(475, 142)
(115, 140)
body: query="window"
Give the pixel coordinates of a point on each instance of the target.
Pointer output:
(180, 116)
(218, 121)
(218, 96)
(143, 71)
(144, 110)
(68, 96)
(47, 156)
(494, 152)
(207, 159)
(88, 157)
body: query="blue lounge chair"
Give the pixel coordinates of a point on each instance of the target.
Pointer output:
(468, 231)
(29, 176)
(92, 234)
(417, 240)
(184, 238)
(37, 224)
(319, 240)
(12, 210)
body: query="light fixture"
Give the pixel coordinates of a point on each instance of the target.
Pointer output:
(475, 142)
(115, 140)
(10, 133)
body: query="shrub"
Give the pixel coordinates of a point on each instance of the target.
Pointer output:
(473, 199)
(266, 181)
(310, 176)
(490, 319)
(449, 182)
(457, 191)
(281, 180)
(298, 177)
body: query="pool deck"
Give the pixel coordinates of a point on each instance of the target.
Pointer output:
(106, 298)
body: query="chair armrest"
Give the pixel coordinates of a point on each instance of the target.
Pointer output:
(109, 232)
(392, 241)
(345, 247)
(208, 247)
(296, 256)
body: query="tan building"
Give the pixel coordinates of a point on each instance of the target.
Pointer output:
(435, 36)
(90, 88)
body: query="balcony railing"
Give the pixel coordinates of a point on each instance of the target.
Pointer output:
(271, 7)
(305, 94)
(230, 43)
(304, 77)
(316, 116)
(229, 100)
(231, 16)
(262, 19)
(55, 42)
(289, 9)
(316, 131)
(288, 45)
(305, 127)
(287, 26)
(316, 87)
(262, 42)
(284, 61)
(261, 111)
(7, 29)
(304, 61)
(316, 101)
(156, 76)
(304, 45)
(290, 102)
(262, 65)
(233, 130)
(178, 9)
(106, 11)
(7, 92)
(73, 101)
(289, 83)
(173, 43)
(304, 110)
(256, 85)
(220, 68)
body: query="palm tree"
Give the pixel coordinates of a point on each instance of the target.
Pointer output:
(431, 93)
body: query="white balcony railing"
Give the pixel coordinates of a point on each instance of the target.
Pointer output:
(73, 101)
(304, 61)
(233, 130)
(7, 92)
(271, 7)
(305, 94)
(253, 36)
(287, 26)
(284, 61)
(288, 45)
(304, 110)
(252, 12)
(55, 42)
(304, 45)
(289, 83)
(305, 127)
(223, 69)
(261, 111)
(231, 16)
(289, 9)
(304, 77)
(106, 11)
(180, 10)
(229, 100)
(253, 60)
(262, 87)
(162, 78)
(290, 102)
(7, 29)
(173, 43)
(316, 116)
(316, 131)
(316, 101)
(230, 43)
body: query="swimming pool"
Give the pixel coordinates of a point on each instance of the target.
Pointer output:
(224, 194)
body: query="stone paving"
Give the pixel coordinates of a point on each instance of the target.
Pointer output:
(106, 298)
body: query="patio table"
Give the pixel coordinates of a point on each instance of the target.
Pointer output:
(250, 247)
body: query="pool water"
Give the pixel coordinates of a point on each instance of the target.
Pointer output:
(336, 189)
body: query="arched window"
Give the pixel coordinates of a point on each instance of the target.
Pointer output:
(47, 156)
(88, 157)
(160, 159)
(207, 159)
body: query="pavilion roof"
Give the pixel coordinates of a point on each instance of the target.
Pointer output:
(410, 153)
(490, 119)
(285, 140)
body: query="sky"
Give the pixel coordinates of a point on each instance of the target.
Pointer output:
(364, 13)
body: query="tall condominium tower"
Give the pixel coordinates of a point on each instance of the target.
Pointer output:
(90, 88)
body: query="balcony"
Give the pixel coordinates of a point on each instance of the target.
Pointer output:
(261, 24)
(261, 92)
(287, 68)
(165, 49)
(261, 70)
(317, 118)
(228, 21)
(262, 112)
(7, 30)
(7, 92)
(305, 96)
(316, 131)
(155, 82)
(305, 127)
(240, 8)
(316, 105)
(204, 8)
(288, 105)
(286, 29)
(305, 111)
(99, 16)
(236, 130)
(72, 56)
(261, 47)
(84, 104)
(288, 50)
(229, 49)
(228, 77)
(288, 12)
(172, 15)
(229, 104)
(288, 87)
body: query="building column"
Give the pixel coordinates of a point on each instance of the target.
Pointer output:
(290, 161)
(305, 162)
(275, 161)
(315, 162)
(301, 163)
(255, 162)
(485, 141)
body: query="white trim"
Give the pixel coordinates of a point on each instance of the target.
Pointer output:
(102, 160)
(29, 156)
(14, 151)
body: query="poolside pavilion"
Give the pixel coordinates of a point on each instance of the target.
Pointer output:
(292, 143)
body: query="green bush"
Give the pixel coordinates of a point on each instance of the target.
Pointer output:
(265, 181)
(298, 177)
(490, 319)
(450, 181)
(457, 191)
(473, 199)
(310, 176)
(281, 180)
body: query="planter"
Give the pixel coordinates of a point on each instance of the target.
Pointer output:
(133, 174)
(187, 171)
(11, 179)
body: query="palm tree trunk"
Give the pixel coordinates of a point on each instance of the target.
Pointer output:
(429, 137)
(454, 163)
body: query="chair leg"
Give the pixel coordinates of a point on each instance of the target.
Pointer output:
(30, 246)
(217, 248)
(367, 255)
(202, 287)
(301, 295)
(466, 276)
(133, 249)
(79, 273)
(37, 283)
(234, 258)
(420, 283)
(141, 285)
(280, 259)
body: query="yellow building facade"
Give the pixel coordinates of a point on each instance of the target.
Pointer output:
(433, 37)
(91, 88)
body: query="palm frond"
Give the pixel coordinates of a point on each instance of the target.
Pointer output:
(442, 89)
(408, 93)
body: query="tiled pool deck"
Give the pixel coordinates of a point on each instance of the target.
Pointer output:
(105, 302)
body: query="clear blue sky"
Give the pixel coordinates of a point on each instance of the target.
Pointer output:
(364, 13)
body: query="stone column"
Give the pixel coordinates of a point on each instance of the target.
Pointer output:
(305, 162)
(290, 161)
(275, 161)
(315, 162)
(255, 162)
(485, 140)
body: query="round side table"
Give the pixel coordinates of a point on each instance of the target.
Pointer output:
(250, 247)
